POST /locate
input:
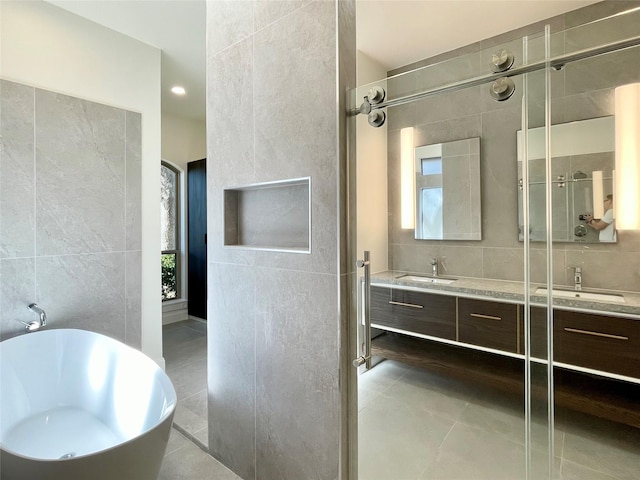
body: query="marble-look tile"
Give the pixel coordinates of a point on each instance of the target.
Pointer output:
(424, 392)
(83, 291)
(451, 70)
(503, 263)
(230, 98)
(381, 377)
(216, 250)
(449, 130)
(394, 441)
(232, 365)
(297, 376)
(453, 260)
(228, 22)
(191, 463)
(469, 452)
(607, 269)
(176, 441)
(576, 471)
(606, 71)
(197, 403)
(188, 379)
(133, 186)
(17, 292)
(133, 299)
(499, 177)
(80, 179)
(17, 177)
(461, 103)
(187, 420)
(269, 11)
(605, 447)
(278, 217)
(287, 147)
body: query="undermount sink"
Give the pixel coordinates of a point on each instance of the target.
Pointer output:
(418, 278)
(602, 297)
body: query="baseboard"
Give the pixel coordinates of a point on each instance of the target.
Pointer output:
(175, 316)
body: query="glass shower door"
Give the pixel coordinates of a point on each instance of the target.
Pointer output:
(448, 393)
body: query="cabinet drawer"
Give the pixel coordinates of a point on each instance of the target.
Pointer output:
(417, 312)
(611, 344)
(488, 324)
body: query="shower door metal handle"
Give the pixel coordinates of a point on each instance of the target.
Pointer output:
(365, 358)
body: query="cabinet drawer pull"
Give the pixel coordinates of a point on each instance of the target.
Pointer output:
(595, 334)
(412, 305)
(487, 317)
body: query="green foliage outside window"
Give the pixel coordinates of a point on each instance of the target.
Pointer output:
(169, 283)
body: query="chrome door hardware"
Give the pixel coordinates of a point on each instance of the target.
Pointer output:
(365, 358)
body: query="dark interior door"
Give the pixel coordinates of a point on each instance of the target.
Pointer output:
(197, 243)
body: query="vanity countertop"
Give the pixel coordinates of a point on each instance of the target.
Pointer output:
(502, 290)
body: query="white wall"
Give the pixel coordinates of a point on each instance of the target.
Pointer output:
(183, 140)
(371, 179)
(50, 48)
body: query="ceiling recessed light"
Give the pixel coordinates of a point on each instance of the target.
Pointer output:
(178, 90)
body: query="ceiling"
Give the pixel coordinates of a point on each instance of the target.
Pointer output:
(393, 32)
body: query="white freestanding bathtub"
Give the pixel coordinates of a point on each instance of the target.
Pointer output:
(77, 405)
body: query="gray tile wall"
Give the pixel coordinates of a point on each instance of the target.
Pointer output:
(276, 319)
(70, 202)
(581, 90)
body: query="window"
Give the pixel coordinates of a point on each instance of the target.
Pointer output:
(170, 231)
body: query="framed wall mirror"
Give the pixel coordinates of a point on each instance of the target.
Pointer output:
(582, 172)
(447, 191)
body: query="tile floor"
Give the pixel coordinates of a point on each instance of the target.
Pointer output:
(185, 354)
(440, 428)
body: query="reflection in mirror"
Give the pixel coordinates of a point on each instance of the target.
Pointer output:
(447, 187)
(582, 172)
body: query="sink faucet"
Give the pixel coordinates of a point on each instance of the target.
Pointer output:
(36, 325)
(577, 278)
(434, 266)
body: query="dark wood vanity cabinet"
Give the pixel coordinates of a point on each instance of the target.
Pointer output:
(601, 342)
(488, 324)
(419, 312)
(589, 340)
(609, 344)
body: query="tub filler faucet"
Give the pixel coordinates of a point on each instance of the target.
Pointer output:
(35, 325)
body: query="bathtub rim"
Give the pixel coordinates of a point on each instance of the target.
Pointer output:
(171, 394)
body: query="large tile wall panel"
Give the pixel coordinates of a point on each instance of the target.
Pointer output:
(80, 145)
(70, 221)
(133, 185)
(272, 115)
(297, 387)
(17, 203)
(232, 366)
(85, 291)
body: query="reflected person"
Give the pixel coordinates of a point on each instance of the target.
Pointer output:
(606, 224)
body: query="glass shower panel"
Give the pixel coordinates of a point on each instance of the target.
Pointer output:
(446, 396)
(536, 189)
(596, 340)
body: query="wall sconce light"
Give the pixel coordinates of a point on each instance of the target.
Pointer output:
(598, 195)
(407, 179)
(627, 181)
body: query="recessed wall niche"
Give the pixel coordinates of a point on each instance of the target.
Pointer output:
(269, 216)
